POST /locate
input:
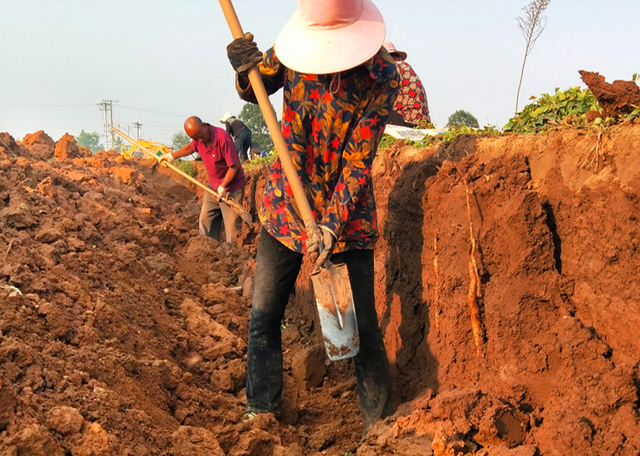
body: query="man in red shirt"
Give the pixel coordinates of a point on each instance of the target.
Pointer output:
(218, 153)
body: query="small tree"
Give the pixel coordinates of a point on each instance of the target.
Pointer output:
(461, 117)
(531, 26)
(89, 140)
(251, 116)
(179, 140)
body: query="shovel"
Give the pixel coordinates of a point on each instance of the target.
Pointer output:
(236, 207)
(330, 282)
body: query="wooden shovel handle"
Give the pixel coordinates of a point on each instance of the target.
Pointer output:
(271, 120)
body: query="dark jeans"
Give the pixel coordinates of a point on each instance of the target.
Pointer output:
(276, 271)
(243, 144)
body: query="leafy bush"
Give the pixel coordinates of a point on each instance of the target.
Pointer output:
(385, 142)
(636, 112)
(267, 160)
(561, 108)
(186, 166)
(458, 130)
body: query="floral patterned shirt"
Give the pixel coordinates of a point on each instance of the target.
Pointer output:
(332, 125)
(411, 102)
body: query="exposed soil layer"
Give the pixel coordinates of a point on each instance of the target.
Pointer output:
(123, 332)
(557, 255)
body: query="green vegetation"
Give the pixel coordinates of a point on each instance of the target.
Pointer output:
(561, 108)
(89, 140)
(457, 130)
(270, 158)
(179, 140)
(385, 142)
(186, 166)
(461, 117)
(636, 112)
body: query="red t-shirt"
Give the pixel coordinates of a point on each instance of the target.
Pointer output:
(218, 157)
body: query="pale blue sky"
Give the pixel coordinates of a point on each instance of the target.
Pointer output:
(164, 60)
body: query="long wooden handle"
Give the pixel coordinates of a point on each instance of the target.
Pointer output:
(271, 120)
(237, 208)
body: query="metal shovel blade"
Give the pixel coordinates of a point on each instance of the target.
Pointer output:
(336, 310)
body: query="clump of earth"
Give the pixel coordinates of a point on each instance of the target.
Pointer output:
(123, 331)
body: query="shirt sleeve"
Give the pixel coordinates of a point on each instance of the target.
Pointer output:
(272, 72)
(358, 155)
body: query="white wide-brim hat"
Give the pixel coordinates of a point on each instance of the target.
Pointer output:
(226, 116)
(329, 36)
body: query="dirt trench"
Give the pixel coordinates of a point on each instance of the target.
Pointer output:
(129, 335)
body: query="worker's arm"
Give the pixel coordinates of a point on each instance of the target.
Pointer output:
(183, 152)
(231, 173)
(170, 156)
(272, 73)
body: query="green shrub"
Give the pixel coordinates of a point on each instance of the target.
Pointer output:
(187, 167)
(385, 142)
(561, 108)
(267, 160)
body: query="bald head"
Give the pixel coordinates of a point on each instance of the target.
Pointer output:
(192, 126)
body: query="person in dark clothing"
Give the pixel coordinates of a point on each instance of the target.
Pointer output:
(240, 133)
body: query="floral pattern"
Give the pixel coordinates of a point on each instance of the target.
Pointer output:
(411, 102)
(332, 125)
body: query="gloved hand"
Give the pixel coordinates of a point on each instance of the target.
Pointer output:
(166, 157)
(222, 193)
(243, 54)
(320, 245)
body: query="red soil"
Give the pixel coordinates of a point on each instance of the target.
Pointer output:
(129, 337)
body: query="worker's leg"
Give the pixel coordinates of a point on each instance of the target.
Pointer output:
(243, 143)
(230, 217)
(210, 217)
(277, 268)
(371, 363)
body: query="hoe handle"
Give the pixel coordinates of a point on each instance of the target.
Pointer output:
(236, 207)
(271, 120)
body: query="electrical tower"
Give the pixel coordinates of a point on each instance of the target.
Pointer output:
(137, 125)
(106, 107)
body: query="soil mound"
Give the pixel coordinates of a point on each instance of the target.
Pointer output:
(617, 98)
(557, 369)
(123, 332)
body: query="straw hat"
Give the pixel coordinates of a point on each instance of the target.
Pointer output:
(329, 36)
(391, 49)
(226, 116)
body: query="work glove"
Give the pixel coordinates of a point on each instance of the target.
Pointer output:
(244, 54)
(166, 157)
(320, 245)
(222, 193)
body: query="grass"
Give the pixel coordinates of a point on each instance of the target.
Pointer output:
(186, 166)
(256, 162)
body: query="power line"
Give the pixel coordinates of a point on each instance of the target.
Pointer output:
(153, 112)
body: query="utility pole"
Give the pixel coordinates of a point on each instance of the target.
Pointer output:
(106, 107)
(137, 125)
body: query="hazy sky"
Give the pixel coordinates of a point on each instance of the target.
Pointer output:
(164, 60)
